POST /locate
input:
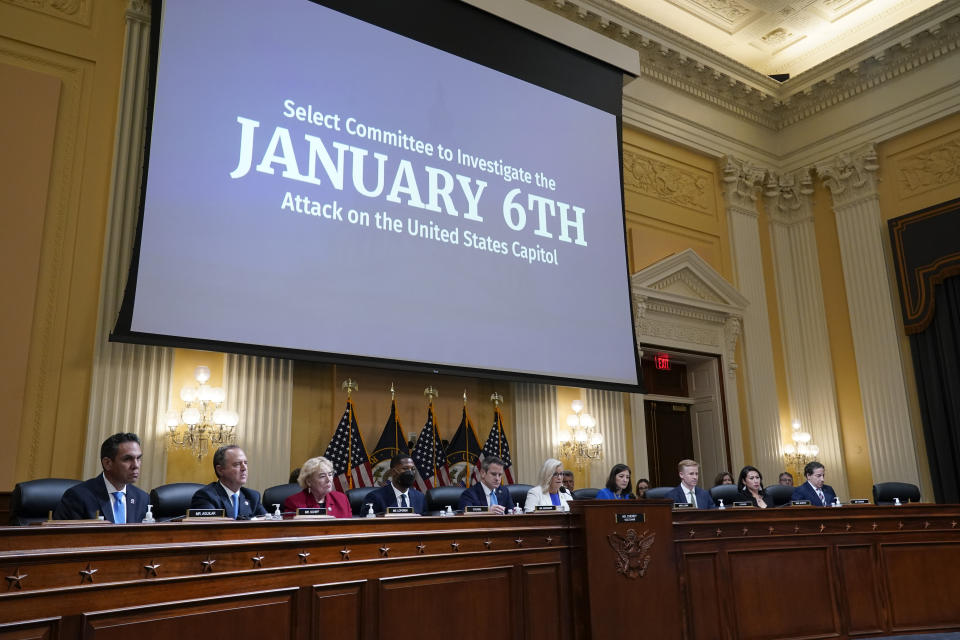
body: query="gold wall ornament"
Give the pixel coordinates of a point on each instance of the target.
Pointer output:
(633, 551)
(204, 422)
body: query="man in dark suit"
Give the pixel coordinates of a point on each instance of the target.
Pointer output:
(688, 491)
(228, 492)
(111, 493)
(819, 494)
(488, 492)
(399, 492)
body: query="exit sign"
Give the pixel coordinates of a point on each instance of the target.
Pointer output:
(662, 361)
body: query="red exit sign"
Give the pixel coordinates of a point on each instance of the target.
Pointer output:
(662, 361)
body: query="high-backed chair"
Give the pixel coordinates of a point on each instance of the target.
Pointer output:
(587, 493)
(777, 495)
(438, 498)
(518, 493)
(33, 500)
(658, 493)
(357, 498)
(277, 494)
(885, 492)
(726, 492)
(172, 500)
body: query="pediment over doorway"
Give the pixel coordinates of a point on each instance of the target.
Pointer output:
(686, 277)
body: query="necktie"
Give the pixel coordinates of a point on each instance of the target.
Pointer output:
(823, 500)
(236, 511)
(693, 499)
(119, 508)
(403, 499)
(493, 498)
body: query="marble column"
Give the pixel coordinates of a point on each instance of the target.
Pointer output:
(803, 320)
(852, 180)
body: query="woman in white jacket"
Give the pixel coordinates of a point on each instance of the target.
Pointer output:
(549, 491)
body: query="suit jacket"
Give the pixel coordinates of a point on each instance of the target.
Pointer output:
(82, 501)
(746, 496)
(537, 497)
(385, 497)
(213, 496)
(807, 492)
(336, 503)
(704, 501)
(476, 496)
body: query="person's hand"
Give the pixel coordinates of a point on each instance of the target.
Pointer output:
(498, 509)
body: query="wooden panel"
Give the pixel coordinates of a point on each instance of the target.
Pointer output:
(923, 586)
(542, 592)
(337, 611)
(256, 615)
(703, 591)
(858, 577)
(47, 629)
(458, 601)
(802, 575)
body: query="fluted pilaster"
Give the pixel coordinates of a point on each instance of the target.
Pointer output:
(535, 408)
(130, 384)
(803, 321)
(852, 180)
(607, 408)
(741, 186)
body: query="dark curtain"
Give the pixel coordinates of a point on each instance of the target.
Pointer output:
(936, 363)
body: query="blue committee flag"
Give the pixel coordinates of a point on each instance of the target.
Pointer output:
(463, 453)
(392, 442)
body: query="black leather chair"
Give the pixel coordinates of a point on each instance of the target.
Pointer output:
(438, 498)
(885, 492)
(33, 500)
(587, 493)
(357, 498)
(172, 500)
(277, 494)
(518, 494)
(726, 492)
(658, 493)
(777, 495)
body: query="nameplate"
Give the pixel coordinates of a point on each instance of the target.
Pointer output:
(859, 501)
(682, 505)
(311, 512)
(476, 509)
(206, 513)
(400, 511)
(744, 503)
(630, 517)
(800, 503)
(546, 507)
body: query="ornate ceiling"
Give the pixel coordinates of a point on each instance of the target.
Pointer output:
(779, 36)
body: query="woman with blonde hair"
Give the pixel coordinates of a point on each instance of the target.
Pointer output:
(548, 491)
(316, 478)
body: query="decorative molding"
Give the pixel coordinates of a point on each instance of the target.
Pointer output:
(77, 11)
(788, 197)
(740, 182)
(851, 177)
(928, 169)
(632, 552)
(667, 182)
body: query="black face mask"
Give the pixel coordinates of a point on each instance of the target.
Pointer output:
(405, 479)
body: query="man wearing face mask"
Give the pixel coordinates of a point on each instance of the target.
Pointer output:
(399, 492)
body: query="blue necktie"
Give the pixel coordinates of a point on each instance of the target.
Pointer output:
(403, 499)
(119, 508)
(233, 499)
(493, 498)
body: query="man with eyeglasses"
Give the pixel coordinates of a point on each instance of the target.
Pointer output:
(228, 492)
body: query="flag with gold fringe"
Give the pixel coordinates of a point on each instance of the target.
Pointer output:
(351, 466)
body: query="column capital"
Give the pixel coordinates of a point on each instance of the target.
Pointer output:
(741, 181)
(789, 197)
(851, 177)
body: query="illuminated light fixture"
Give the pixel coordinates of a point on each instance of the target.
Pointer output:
(204, 422)
(582, 442)
(801, 451)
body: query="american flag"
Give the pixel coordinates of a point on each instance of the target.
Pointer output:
(428, 456)
(351, 467)
(496, 445)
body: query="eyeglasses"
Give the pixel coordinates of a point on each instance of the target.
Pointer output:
(557, 474)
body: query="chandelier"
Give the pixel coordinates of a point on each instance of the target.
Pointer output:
(582, 442)
(203, 423)
(801, 451)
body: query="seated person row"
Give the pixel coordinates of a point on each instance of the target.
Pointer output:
(488, 492)
(618, 485)
(688, 491)
(228, 492)
(315, 477)
(750, 485)
(399, 491)
(548, 492)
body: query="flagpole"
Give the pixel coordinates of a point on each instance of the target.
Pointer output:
(432, 393)
(496, 399)
(467, 443)
(350, 386)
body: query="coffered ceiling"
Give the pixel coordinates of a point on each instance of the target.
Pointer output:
(779, 36)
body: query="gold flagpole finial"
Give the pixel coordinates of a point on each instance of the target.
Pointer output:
(349, 385)
(393, 391)
(464, 397)
(431, 393)
(496, 399)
